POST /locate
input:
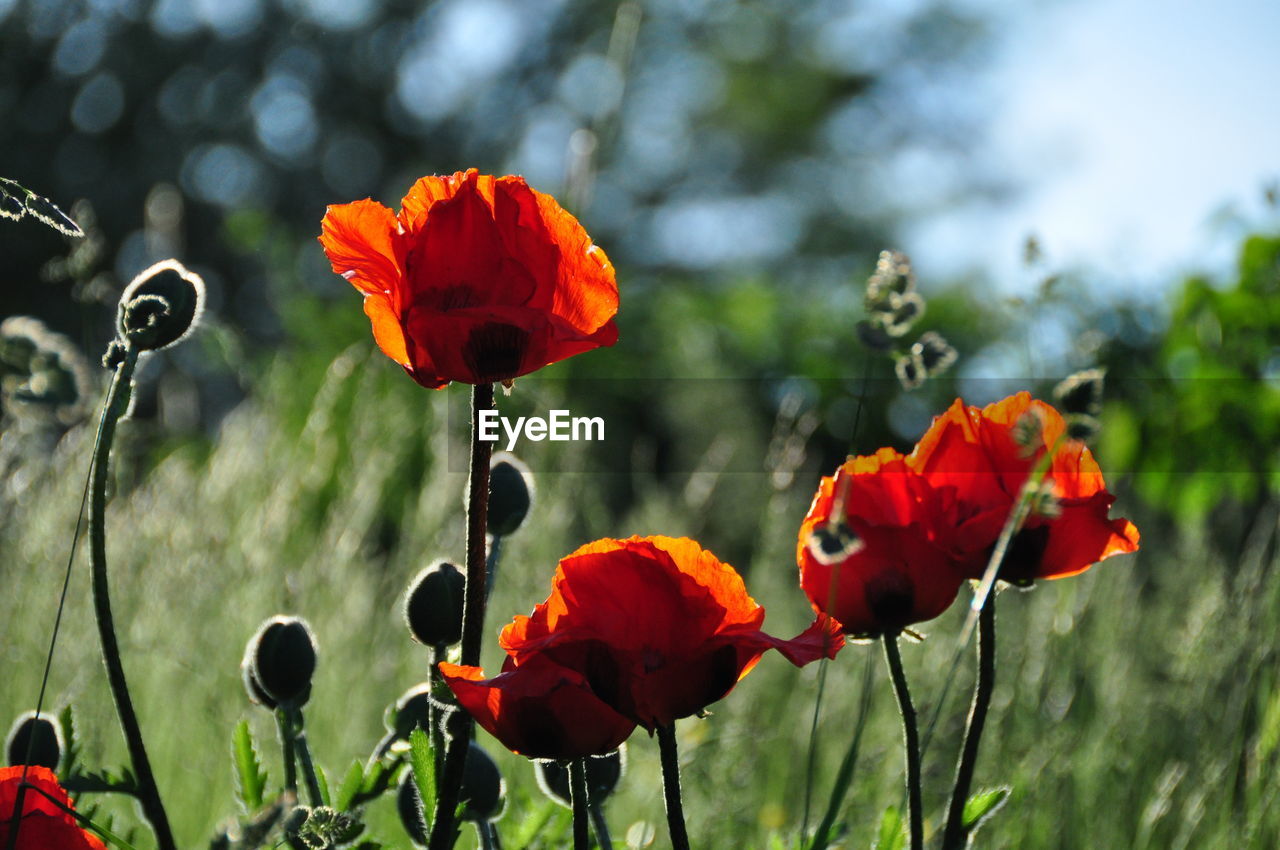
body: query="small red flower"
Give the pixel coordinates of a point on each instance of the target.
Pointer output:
(539, 709)
(658, 627)
(975, 457)
(42, 825)
(877, 530)
(478, 279)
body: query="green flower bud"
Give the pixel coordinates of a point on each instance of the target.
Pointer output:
(34, 740)
(279, 662)
(484, 792)
(409, 805)
(603, 774)
(411, 711)
(510, 493)
(160, 306)
(433, 605)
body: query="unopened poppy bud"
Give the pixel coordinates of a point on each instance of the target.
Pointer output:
(160, 306)
(910, 371)
(411, 711)
(409, 805)
(34, 740)
(936, 355)
(603, 774)
(510, 493)
(1081, 393)
(484, 793)
(433, 605)
(873, 336)
(282, 659)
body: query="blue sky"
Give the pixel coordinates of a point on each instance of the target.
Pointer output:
(1142, 133)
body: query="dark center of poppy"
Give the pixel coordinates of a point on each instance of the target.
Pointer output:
(495, 352)
(891, 598)
(1026, 550)
(446, 298)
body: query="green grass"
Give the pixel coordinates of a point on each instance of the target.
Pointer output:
(1136, 705)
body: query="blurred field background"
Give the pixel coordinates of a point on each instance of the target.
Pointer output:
(736, 160)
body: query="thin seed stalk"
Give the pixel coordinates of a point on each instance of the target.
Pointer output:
(147, 793)
(671, 786)
(955, 836)
(443, 823)
(911, 736)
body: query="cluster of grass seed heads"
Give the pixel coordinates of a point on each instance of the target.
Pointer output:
(17, 201)
(279, 662)
(34, 740)
(893, 307)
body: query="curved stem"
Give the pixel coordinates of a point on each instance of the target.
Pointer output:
(443, 823)
(911, 734)
(671, 786)
(148, 794)
(955, 836)
(578, 796)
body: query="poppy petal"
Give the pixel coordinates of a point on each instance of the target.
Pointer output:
(359, 240)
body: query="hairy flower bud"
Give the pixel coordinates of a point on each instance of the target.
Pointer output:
(160, 306)
(433, 605)
(34, 740)
(484, 793)
(510, 493)
(279, 662)
(409, 806)
(603, 774)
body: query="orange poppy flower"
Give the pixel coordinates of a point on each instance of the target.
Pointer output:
(477, 279)
(884, 551)
(42, 825)
(658, 627)
(539, 709)
(974, 455)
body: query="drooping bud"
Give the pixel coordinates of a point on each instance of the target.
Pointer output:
(34, 740)
(280, 660)
(510, 493)
(484, 793)
(411, 711)
(603, 774)
(433, 605)
(160, 306)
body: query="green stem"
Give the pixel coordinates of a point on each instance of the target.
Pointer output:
(148, 793)
(671, 786)
(308, 766)
(578, 796)
(285, 728)
(956, 836)
(601, 826)
(911, 734)
(443, 822)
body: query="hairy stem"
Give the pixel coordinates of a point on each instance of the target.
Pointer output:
(578, 796)
(911, 735)
(955, 836)
(148, 794)
(443, 823)
(285, 727)
(671, 786)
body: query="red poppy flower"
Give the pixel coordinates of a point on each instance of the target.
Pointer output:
(974, 454)
(884, 551)
(478, 279)
(657, 626)
(42, 825)
(539, 709)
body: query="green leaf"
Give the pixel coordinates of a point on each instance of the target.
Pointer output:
(323, 782)
(71, 743)
(352, 782)
(893, 832)
(982, 805)
(423, 760)
(251, 778)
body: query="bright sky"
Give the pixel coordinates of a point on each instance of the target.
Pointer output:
(1135, 126)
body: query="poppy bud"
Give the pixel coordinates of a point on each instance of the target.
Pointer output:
(603, 774)
(510, 493)
(484, 793)
(411, 711)
(160, 306)
(433, 605)
(409, 805)
(935, 354)
(280, 660)
(34, 740)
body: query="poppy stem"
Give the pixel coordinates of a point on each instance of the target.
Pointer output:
(911, 734)
(147, 792)
(443, 823)
(601, 826)
(956, 835)
(671, 786)
(286, 749)
(304, 758)
(578, 796)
